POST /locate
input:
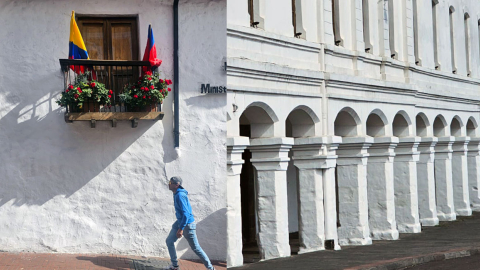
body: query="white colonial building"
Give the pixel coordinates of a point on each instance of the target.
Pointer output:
(349, 121)
(70, 188)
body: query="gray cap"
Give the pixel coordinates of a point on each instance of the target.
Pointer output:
(177, 180)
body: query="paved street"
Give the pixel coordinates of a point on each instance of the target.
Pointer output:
(470, 262)
(36, 261)
(449, 239)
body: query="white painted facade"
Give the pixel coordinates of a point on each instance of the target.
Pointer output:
(69, 188)
(385, 140)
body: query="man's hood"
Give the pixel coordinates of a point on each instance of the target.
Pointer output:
(181, 190)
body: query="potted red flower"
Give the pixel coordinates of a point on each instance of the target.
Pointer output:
(84, 95)
(146, 93)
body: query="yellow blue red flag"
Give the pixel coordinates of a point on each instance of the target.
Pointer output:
(76, 47)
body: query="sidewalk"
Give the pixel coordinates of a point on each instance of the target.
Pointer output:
(446, 241)
(56, 261)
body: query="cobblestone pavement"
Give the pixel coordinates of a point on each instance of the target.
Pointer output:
(56, 261)
(447, 241)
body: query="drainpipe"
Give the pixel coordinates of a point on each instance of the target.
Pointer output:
(176, 104)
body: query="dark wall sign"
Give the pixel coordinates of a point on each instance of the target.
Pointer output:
(207, 89)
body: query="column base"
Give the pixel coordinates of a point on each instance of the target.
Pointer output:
(429, 222)
(447, 217)
(409, 228)
(355, 241)
(464, 212)
(308, 250)
(476, 207)
(385, 235)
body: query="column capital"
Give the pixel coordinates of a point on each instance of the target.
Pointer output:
(353, 150)
(270, 154)
(443, 149)
(426, 147)
(235, 148)
(315, 152)
(407, 149)
(474, 146)
(460, 145)
(382, 149)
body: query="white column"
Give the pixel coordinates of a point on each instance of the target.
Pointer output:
(316, 160)
(352, 191)
(426, 182)
(406, 193)
(460, 177)
(443, 179)
(270, 159)
(381, 196)
(474, 172)
(235, 148)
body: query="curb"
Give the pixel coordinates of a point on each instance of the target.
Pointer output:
(402, 263)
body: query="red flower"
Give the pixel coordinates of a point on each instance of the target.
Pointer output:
(152, 87)
(109, 96)
(75, 95)
(169, 82)
(110, 92)
(66, 91)
(149, 78)
(169, 89)
(92, 84)
(70, 87)
(80, 90)
(148, 73)
(144, 97)
(161, 81)
(135, 96)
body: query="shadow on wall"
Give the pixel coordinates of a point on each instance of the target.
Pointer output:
(204, 227)
(43, 157)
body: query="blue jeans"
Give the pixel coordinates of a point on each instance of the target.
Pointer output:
(190, 234)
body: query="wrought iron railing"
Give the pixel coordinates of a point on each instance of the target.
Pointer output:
(114, 74)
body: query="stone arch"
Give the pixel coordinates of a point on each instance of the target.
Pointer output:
(301, 122)
(439, 126)
(422, 125)
(261, 118)
(347, 123)
(402, 124)
(456, 126)
(376, 123)
(472, 127)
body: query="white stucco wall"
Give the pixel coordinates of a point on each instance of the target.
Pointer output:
(73, 189)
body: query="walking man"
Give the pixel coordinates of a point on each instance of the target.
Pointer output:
(185, 225)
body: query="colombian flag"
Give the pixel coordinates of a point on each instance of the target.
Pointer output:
(151, 51)
(76, 47)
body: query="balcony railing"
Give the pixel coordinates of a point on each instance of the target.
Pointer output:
(115, 75)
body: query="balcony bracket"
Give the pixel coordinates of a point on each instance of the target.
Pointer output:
(93, 117)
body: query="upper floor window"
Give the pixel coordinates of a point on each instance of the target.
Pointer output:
(416, 48)
(391, 30)
(256, 20)
(110, 38)
(466, 19)
(435, 34)
(366, 27)
(336, 23)
(451, 11)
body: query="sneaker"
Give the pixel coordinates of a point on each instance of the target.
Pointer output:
(171, 267)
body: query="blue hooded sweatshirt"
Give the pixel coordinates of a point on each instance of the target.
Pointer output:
(183, 210)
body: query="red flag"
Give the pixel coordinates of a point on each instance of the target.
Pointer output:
(151, 51)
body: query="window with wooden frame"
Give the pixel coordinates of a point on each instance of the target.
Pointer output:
(111, 38)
